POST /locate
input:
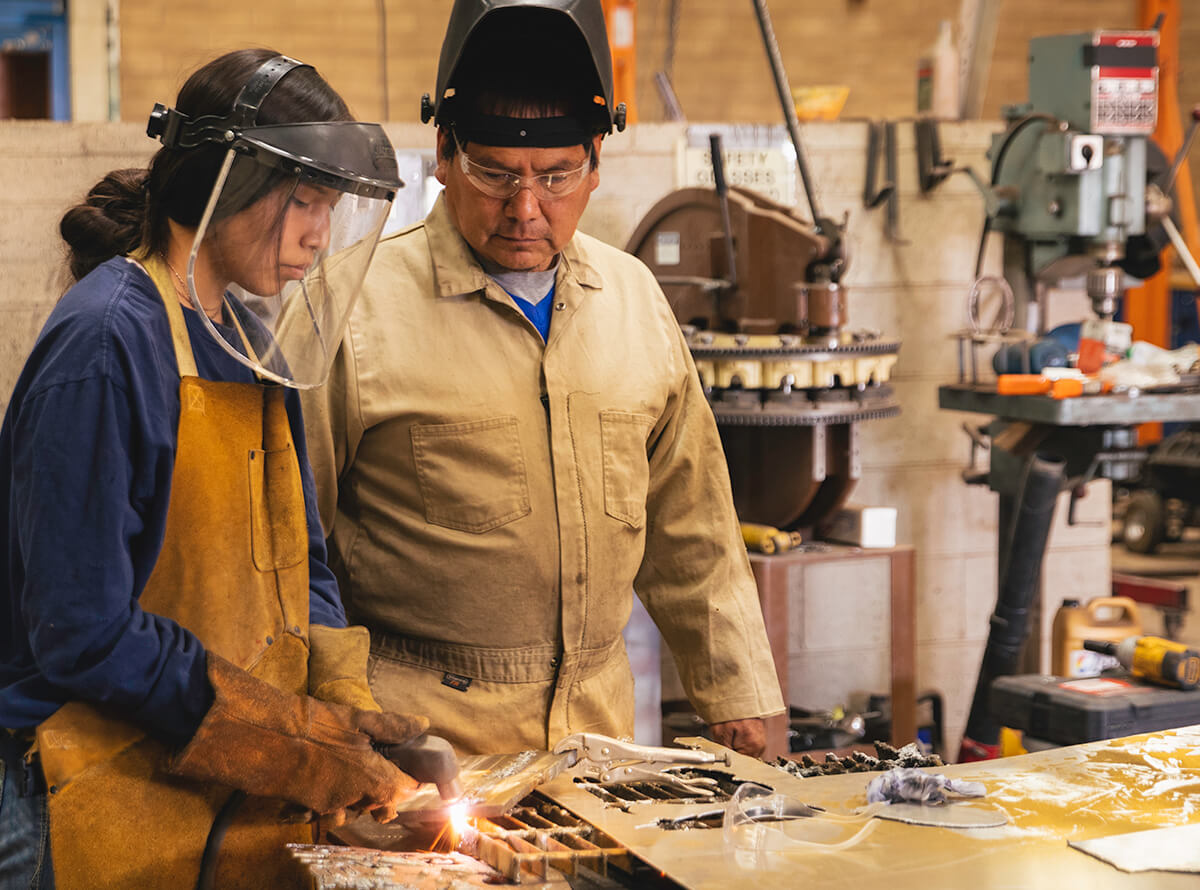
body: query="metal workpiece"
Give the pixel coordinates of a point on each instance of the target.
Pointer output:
(358, 868)
(486, 785)
(1045, 798)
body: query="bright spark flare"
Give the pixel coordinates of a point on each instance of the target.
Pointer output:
(459, 822)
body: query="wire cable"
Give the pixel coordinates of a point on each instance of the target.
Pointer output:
(1016, 128)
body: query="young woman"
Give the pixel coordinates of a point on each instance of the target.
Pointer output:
(172, 630)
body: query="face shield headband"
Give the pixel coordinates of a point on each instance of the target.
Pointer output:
(521, 132)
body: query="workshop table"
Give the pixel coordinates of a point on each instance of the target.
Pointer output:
(1050, 797)
(781, 577)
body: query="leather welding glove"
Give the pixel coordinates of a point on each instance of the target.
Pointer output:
(337, 666)
(272, 743)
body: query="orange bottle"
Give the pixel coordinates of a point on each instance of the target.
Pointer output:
(1108, 618)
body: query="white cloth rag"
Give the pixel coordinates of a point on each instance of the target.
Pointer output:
(905, 784)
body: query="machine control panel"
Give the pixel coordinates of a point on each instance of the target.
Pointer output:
(1124, 82)
(1101, 82)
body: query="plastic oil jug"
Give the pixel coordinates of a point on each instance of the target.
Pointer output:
(1109, 618)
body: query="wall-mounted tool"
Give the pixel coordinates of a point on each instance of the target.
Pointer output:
(932, 168)
(881, 139)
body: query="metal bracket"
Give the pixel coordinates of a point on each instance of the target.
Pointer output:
(980, 441)
(932, 168)
(883, 132)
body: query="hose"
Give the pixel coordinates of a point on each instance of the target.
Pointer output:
(208, 862)
(1021, 566)
(1016, 128)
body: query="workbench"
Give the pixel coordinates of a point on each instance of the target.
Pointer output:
(1050, 797)
(781, 579)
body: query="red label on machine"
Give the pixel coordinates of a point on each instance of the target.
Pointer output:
(1125, 98)
(1097, 686)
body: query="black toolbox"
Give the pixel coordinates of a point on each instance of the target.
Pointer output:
(1066, 711)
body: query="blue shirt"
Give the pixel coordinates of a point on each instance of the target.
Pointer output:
(538, 313)
(87, 452)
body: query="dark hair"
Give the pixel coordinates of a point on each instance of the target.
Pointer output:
(129, 209)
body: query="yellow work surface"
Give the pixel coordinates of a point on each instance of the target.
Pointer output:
(1050, 797)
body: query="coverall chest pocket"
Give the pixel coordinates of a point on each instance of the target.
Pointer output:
(626, 466)
(471, 475)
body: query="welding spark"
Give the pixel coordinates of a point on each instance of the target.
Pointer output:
(459, 822)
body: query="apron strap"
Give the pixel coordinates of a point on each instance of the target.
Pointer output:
(156, 267)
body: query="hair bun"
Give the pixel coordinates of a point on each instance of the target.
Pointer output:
(108, 223)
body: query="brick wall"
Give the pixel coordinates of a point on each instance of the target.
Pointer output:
(720, 70)
(383, 55)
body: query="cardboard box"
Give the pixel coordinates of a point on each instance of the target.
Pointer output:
(862, 526)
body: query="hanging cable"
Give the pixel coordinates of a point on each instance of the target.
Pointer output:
(383, 60)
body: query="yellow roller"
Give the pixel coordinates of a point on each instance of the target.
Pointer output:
(765, 538)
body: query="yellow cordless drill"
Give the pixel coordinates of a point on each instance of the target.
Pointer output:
(1154, 659)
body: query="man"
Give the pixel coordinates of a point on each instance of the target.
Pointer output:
(514, 436)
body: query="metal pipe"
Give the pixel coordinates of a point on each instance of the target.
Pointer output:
(718, 164)
(789, 110)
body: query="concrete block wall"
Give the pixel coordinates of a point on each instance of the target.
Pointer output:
(914, 290)
(45, 168)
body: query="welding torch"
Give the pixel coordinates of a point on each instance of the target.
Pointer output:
(427, 758)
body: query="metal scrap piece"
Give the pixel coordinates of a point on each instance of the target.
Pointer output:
(355, 868)
(859, 762)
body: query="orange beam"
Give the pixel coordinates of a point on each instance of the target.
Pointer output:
(1148, 308)
(621, 18)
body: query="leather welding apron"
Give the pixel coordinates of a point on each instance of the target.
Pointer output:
(233, 570)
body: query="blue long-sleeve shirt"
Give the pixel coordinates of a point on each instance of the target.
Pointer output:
(87, 452)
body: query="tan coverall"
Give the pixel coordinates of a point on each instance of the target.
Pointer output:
(493, 500)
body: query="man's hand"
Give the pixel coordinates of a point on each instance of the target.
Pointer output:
(747, 736)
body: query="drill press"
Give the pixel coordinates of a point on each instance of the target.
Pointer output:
(1070, 191)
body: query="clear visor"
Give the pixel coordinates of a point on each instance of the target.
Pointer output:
(279, 257)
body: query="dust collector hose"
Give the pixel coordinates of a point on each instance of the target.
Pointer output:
(1020, 573)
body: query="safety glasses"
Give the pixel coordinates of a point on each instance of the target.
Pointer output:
(504, 184)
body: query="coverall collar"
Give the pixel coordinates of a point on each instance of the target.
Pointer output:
(457, 271)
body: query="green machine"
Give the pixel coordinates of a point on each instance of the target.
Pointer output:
(1073, 191)
(1069, 175)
